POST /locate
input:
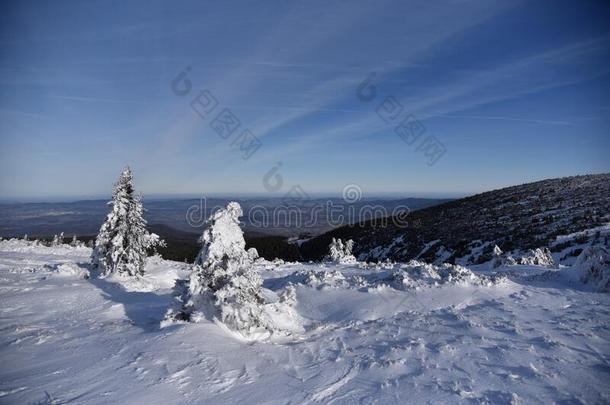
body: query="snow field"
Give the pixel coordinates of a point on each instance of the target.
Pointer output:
(448, 335)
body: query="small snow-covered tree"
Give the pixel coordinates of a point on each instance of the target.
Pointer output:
(335, 250)
(593, 264)
(338, 252)
(501, 259)
(74, 242)
(25, 237)
(348, 247)
(223, 283)
(122, 242)
(57, 240)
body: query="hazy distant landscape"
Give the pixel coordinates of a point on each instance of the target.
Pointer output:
(188, 215)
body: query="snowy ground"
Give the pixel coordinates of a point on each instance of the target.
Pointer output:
(534, 337)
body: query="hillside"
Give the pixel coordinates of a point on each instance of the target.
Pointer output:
(184, 246)
(465, 231)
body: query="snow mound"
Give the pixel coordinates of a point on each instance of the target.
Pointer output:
(594, 267)
(132, 284)
(538, 257)
(282, 314)
(70, 269)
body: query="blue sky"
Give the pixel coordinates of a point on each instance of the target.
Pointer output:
(514, 91)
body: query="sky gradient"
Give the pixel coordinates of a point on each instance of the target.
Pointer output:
(515, 91)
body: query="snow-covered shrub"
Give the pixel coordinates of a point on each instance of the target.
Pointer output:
(253, 254)
(75, 242)
(387, 264)
(538, 257)
(323, 278)
(57, 240)
(497, 251)
(222, 283)
(593, 264)
(417, 274)
(338, 252)
(289, 295)
(122, 243)
(500, 259)
(455, 274)
(503, 261)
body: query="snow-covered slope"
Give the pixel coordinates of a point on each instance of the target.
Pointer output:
(387, 333)
(575, 210)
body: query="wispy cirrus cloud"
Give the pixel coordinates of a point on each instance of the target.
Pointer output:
(94, 99)
(471, 91)
(289, 71)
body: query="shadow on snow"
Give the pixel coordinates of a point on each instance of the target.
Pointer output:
(145, 310)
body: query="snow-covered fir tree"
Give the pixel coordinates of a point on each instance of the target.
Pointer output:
(57, 240)
(500, 258)
(222, 283)
(74, 242)
(339, 252)
(122, 242)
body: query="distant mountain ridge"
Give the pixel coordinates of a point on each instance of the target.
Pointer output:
(86, 217)
(465, 231)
